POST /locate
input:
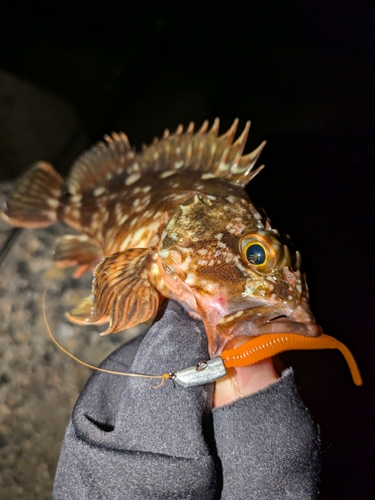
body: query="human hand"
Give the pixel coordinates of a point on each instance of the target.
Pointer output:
(128, 440)
(245, 380)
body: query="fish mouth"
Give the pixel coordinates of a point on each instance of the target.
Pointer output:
(251, 322)
(277, 325)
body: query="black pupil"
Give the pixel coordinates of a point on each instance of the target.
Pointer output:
(255, 254)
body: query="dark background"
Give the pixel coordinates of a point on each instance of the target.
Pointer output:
(304, 73)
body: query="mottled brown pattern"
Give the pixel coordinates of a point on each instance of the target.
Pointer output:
(171, 221)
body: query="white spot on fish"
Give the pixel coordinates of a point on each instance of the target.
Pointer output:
(177, 197)
(49, 214)
(235, 228)
(221, 245)
(210, 287)
(138, 235)
(178, 164)
(164, 253)
(52, 203)
(123, 219)
(99, 190)
(76, 198)
(146, 189)
(208, 176)
(124, 245)
(131, 179)
(224, 166)
(167, 173)
(190, 279)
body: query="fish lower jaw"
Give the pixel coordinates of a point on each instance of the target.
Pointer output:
(261, 320)
(248, 328)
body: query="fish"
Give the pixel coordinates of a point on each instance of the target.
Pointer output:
(172, 221)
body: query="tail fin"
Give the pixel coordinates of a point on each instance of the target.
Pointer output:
(35, 199)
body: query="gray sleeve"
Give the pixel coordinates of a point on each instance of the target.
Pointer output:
(127, 440)
(268, 445)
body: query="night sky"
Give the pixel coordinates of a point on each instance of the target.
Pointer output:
(304, 73)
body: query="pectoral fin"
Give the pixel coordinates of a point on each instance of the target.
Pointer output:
(79, 314)
(78, 250)
(122, 290)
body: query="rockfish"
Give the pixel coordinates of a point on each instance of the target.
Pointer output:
(172, 221)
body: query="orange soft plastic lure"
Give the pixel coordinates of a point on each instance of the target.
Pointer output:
(271, 344)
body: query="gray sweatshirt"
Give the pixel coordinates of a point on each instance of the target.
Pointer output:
(127, 440)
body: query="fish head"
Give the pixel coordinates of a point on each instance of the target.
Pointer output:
(223, 261)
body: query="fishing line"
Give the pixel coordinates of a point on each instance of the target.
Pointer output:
(88, 365)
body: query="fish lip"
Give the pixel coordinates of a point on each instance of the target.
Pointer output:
(276, 320)
(251, 329)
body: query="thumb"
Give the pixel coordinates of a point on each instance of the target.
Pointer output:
(242, 381)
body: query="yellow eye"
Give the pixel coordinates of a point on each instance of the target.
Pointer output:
(261, 250)
(255, 253)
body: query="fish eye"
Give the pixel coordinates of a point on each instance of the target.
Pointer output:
(256, 254)
(262, 251)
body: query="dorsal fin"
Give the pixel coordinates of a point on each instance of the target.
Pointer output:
(203, 151)
(101, 162)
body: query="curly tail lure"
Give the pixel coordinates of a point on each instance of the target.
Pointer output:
(274, 343)
(256, 349)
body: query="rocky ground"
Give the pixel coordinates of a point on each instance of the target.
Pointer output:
(38, 383)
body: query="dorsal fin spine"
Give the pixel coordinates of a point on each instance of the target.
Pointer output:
(204, 151)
